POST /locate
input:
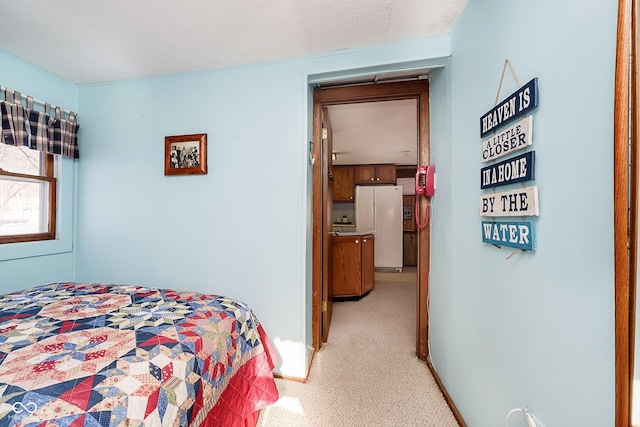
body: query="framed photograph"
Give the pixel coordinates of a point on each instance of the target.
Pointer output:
(185, 154)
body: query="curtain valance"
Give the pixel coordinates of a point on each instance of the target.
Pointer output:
(25, 126)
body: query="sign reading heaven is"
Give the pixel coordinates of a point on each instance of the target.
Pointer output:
(513, 138)
(515, 169)
(513, 234)
(520, 202)
(518, 103)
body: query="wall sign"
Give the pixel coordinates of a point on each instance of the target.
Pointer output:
(520, 168)
(516, 169)
(515, 137)
(513, 234)
(519, 102)
(520, 202)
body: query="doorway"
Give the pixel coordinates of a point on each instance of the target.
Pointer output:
(417, 90)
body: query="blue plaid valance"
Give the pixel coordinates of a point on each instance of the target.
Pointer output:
(37, 130)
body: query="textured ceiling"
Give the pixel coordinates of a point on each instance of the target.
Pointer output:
(89, 41)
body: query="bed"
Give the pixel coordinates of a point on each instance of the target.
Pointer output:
(89, 354)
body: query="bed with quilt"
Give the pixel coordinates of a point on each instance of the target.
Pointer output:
(90, 354)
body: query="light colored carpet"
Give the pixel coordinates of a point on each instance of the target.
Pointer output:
(408, 275)
(368, 373)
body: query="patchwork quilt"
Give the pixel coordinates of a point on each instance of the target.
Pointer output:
(88, 354)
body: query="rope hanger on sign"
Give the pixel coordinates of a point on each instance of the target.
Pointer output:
(515, 76)
(504, 68)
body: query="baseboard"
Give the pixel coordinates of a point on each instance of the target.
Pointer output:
(447, 398)
(289, 378)
(313, 353)
(298, 379)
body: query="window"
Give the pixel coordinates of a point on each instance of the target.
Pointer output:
(27, 195)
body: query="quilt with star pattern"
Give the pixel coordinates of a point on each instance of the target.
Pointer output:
(88, 354)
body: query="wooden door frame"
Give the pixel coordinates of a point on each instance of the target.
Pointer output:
(418, 90)
(327, 250)
(626, 136)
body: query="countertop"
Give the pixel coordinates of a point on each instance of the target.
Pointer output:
(354, 233)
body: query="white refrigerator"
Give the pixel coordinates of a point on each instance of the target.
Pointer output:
(378, 208)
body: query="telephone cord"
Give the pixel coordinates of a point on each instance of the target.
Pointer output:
(426, 221)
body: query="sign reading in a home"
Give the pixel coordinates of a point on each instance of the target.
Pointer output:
(519, 102)
(520, 202)
(516, 169)
(513, 234)
(507, 141)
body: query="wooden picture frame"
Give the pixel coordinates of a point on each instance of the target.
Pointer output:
(185, 154)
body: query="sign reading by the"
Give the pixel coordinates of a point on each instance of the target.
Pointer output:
(519, 102)
(507, 141)
(516, 169)
(513, 234)
(520, 202)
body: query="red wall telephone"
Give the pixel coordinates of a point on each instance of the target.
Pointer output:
(425, 180)
(425, 186)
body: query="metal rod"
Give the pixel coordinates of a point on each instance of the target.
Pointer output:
(37, 101)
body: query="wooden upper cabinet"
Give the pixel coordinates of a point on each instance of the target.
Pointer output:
(343, 186)
(346, 177)
(365, 174)
(375, 174)
(386, 174)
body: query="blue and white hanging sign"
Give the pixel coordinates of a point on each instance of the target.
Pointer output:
(513, 138)
(520, 202)
(516, 169)
(518, 103)
(513, 234)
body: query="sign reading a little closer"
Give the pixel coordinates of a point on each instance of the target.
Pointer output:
(513, 138)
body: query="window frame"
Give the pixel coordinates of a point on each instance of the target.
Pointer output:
(47, 175)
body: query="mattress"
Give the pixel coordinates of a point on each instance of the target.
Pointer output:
(91, 354)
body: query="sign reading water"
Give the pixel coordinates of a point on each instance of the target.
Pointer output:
(513, 234)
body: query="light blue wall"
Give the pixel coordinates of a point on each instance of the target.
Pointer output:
(534, 330)
(537, 329)
(28, 264)
(244, 229)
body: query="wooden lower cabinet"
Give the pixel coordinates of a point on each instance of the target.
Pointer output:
(353, 273)
(410, 249)
(408, 206)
